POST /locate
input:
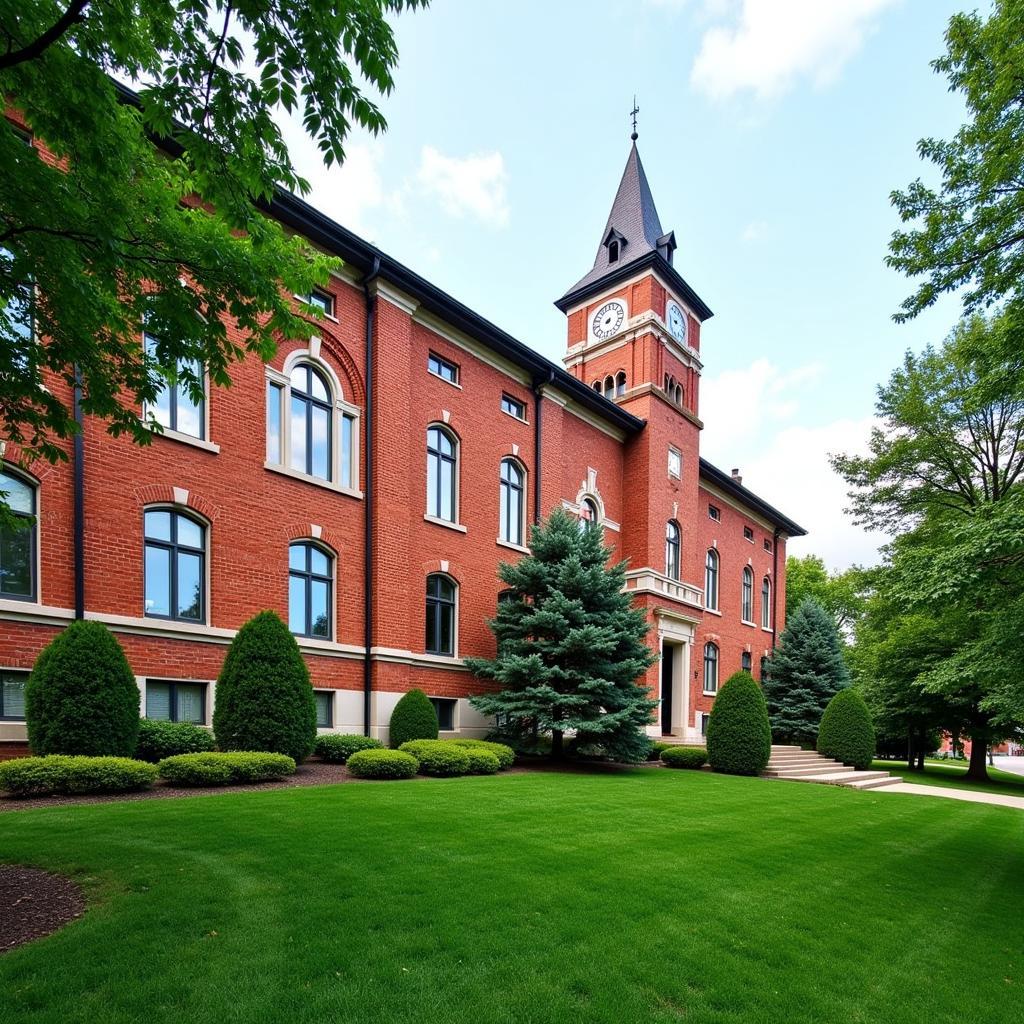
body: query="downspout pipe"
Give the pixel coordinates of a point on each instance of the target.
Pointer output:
(775, 582)
(78, 524)
(368, 504)
(538, 439)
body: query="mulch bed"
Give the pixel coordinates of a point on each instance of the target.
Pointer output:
(34, 903)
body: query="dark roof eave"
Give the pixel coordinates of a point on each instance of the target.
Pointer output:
(725, 482)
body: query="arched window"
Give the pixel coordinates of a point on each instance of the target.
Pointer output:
(711, 580)
(175, 566)
(589, 514)
(596, 386)
(440, 633)
(613, 251)
(677, 395)
(620, 383)
(766, 603)
(18, 541)
(672, 550)
(511, 503)
(747, 661)
(609, 386)
(747, 603)
(310, 421)
(175, 408)
(442, 457)
(710, 668)
(310, 580)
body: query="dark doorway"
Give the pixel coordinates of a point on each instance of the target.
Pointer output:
(667, 662)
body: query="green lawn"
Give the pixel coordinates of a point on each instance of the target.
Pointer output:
(939, 773)
(648, 896)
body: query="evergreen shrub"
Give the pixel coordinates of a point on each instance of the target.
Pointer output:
(739, 737)
(158, 740)
(337, 748)
(846, 732)
(414, 718)
(378, 763)
(684, 757)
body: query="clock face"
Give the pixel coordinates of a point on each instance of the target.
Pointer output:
(608, 319)
(676, 321)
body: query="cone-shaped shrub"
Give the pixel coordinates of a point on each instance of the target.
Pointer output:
(739, 737)
(264, 698)
(82, 697)
(414, 718)
(846, 731)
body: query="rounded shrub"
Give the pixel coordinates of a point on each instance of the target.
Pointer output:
(414, 718)
(158, 740)
(224, 768)
(438, 757)
(81, 697)
(505, 754)
(264, 698)
(739, 737)
(657, 749)
(337, 748)
(684, 757)
(846, 731)
(377, 763)
(75, 775)
(482, 762)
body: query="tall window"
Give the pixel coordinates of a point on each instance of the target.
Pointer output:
(440, 615)
(672, 550)
(746, 661)
(176, 702)
(747, 604)
(711, 580)
(620, 383)
(310, 415)
(12, 696)
(511, 505)
(175, 408)
(441, 466)
(710, 668)
(588, 513)
(175, 566)
(766, 603)
(18, 541)
(324, 708)
(309, 591)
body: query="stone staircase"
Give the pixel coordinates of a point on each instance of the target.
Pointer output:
(796, 765)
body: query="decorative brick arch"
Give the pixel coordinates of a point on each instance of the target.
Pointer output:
(305, 531)
(337, 351)
(445, 567)
(161, 494)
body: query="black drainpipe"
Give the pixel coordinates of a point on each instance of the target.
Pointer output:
(538, 438)
(79, 500)
(775, 582)
(371, 317)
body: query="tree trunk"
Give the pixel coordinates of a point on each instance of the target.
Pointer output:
(558, 750)
(976, 770)
(910, 749)
(920, 760)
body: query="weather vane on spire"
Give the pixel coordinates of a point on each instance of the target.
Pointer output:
(633, 113)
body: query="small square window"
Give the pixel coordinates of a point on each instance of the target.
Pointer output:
(324, 708)
(714, 512)
(748, 534)
(767, 544)
(445, 708)
(12, 696)
(323, 301)
(443, 368)
(513, 407)
(675, 463)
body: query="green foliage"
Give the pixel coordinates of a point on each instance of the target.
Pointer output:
(505, 754)
(841, 594)
(739, 737)
(82, 697)
(120, 241)
(684, 757)
(383, 764)
(158, 740)
(59, 773)
(482, 762)
(846, 732)
(806, 670)
(439, 757)
(657, 749)
(337, 748)
(264, 698)
(225, 768)
(570, 646)
(966, 234)
(414, 718)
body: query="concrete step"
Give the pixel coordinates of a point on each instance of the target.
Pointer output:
(799, 773)
(892, 780)
(781, 746)
(796, 758)
(848, 775)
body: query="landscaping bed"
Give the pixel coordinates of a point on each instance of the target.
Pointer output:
(34, 903)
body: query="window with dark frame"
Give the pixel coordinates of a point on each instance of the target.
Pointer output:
(710, 668)
(766, 603)
(322, 300)
(711, 580)
(511, 502)
(445, 708)
(767, 544)
(748, 534)
(443, 368)
(440, 631)
(589, 514)
(704, 719)
(746, 662)
(310, 581)
(173, 701)
(311, 425)
(747, 603)
(12, 695)
(714, 512)
(18, 540)
(324, 708)
(175, 566)
(672, 550)
(513, 407)
(175, 408)
(441, 467)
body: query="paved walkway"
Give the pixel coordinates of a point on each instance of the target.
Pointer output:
(955, 794)
(1010, 764)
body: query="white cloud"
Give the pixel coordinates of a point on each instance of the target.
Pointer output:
(768, 44)
(472, 185)
(754, 231)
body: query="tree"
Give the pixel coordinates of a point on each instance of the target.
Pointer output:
(847, 733)
(969, 232)
(414, 718)
(739, 735)
(804, 673)
(114, 234)
(264, 698)
(570, 645)
(841, 594)
(82, 697)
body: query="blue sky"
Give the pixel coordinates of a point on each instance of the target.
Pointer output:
(772, 132)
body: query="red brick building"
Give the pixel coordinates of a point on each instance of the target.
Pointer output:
(366, 484)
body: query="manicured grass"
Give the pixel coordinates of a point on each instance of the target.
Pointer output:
(939, 773)
(647, 896)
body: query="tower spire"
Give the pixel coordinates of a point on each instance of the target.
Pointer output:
(633, 113)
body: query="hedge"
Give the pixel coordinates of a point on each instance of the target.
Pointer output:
(846, 731)
(264, 697)
(158, 740)
(684, 757)
(505, 754)
(224, 768)
(438, 757)
(657, 749)
(739, 737)
(482, 762)
(81, 697)
(337, 748)
(414, 718)
(77, 775)
(376, 763)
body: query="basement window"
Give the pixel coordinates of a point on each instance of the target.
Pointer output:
(445, 708)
